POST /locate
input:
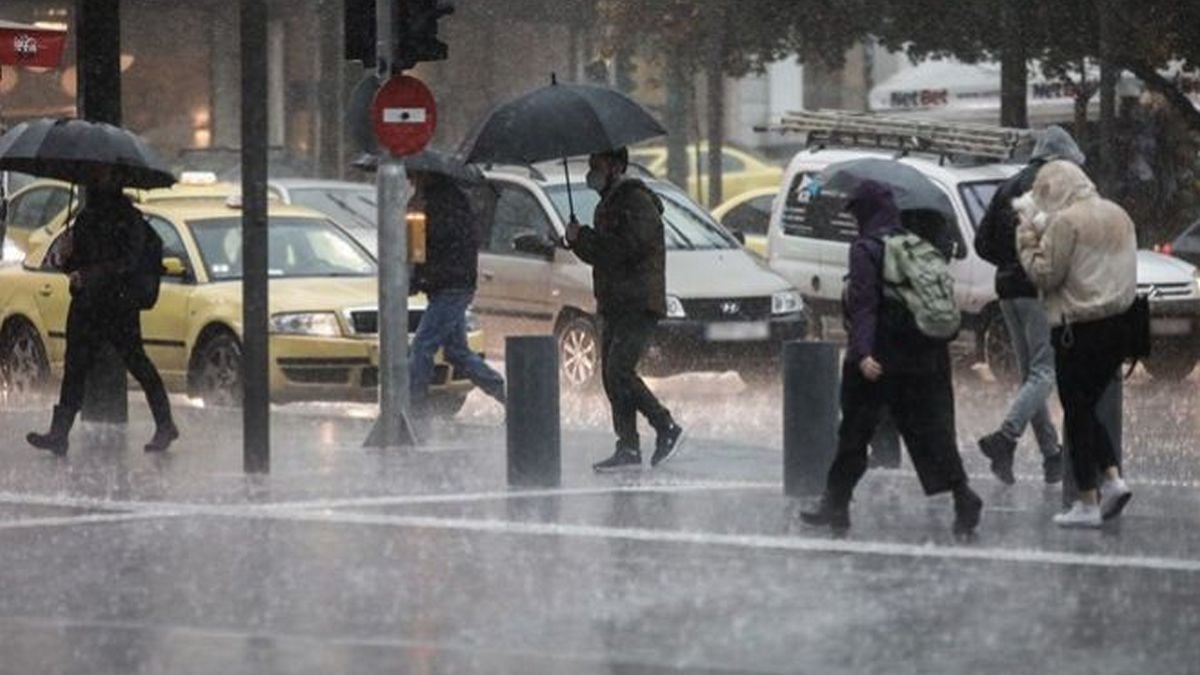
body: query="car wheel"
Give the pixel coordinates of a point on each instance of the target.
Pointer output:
(446, 404)
(217, 371)
(579, 353)
(24, 367)
(1170, 367)
(998, 350)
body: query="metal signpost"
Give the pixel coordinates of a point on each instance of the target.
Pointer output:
(256, 405)
(404, 117)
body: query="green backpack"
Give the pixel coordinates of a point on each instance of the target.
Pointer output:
(917, 275)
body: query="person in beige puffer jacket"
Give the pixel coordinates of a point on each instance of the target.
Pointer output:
(1080, 250)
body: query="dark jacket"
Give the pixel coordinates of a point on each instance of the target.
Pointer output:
(451, 241)
(996, 238)
(627, 251)
(106, 243)
(874, 207)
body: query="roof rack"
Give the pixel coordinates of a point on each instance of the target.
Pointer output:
(836, 127)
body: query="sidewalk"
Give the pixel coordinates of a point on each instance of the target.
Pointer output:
(352, 560)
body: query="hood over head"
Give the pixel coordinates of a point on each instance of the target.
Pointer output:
(1053, 143)
(1060, 184)
(874, 207)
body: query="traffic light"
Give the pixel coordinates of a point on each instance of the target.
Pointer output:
(417, 32)
(358, 29)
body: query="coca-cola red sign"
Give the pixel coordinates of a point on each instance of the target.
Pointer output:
(32, 46)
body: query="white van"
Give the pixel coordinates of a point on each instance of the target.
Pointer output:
(814, 258)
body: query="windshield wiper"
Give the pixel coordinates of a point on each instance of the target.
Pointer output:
(348, 209)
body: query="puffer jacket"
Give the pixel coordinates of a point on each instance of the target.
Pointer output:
(627, 250)
(1079, 249)
(452, 241)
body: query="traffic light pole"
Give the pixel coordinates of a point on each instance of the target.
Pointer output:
(393, 428)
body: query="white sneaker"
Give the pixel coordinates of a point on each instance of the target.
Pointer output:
(1080, 516)
(1114, 495)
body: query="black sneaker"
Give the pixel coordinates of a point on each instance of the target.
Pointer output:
(968, 510)
(623, 459)
(828, 512)
(163, 437)
(1000, 450)
(1052, 468)
(667, 444)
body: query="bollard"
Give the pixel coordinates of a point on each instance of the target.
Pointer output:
(1110, 410)
(534, 427)
(810, 415)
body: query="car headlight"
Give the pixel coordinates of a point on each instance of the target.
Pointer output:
(786, 302)
(10, 252)
(675, 308)
(472, 319)
(323, 324)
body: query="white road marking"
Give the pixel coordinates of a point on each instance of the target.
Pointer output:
(84, 519)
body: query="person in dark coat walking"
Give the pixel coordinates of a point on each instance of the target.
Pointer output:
(107, 242)
(448, 278)
(888, 364)
(1024, 317)
(626, 248)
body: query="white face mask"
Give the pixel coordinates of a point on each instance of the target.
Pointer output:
(596, 180)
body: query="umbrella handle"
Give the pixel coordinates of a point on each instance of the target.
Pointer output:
(570, 199)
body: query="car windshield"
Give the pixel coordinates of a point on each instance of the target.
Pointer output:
(299, 247)
(687, 226)
(977, 196)
(352, 208)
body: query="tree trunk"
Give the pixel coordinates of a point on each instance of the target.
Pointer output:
(1083, 95)
(677, 120)
(1014, 71)
(714, 70)
(1109, 72)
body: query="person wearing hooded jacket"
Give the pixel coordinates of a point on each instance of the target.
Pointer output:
(1080, 251)
(888, 364)
(1024, 317)
(626, 248)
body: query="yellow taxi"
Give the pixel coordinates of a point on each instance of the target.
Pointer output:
(323, 320)
(742, 171)
(39, 209)
(747, 217)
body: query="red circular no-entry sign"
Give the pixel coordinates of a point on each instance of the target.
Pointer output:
(404, 115)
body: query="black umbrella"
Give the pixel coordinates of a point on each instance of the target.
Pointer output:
(913, 190)
(560, 121)
(77, 151)
(428, 161)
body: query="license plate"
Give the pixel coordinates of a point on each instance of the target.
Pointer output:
(737, 332)
(1170, 326)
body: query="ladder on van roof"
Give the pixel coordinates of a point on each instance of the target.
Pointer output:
(837, 127)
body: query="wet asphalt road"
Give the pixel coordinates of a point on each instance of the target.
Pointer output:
(362, 561)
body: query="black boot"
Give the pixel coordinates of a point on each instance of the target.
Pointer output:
(60, 429)
(829, 511)
(1000, 449)
(968, 509)
(164, 434)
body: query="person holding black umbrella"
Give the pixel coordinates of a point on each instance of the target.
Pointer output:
(627, 252)
(106, 263)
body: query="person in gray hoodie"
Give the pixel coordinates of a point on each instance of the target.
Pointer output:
(1024, 317)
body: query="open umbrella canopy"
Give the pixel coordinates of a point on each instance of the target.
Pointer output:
(428, 161)
(560, 120)
(79, 151)
(913, 190)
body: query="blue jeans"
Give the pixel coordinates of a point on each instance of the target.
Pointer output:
(1029, 331)
(444, 326)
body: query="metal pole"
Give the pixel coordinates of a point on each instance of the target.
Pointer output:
(393, 428)
(533, 424)
(256, 411)
(810, 415)
(98, 41)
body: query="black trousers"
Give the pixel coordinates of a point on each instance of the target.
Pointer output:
(87, 329)
(922, 406)
(1087, 356)
(623, 340)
